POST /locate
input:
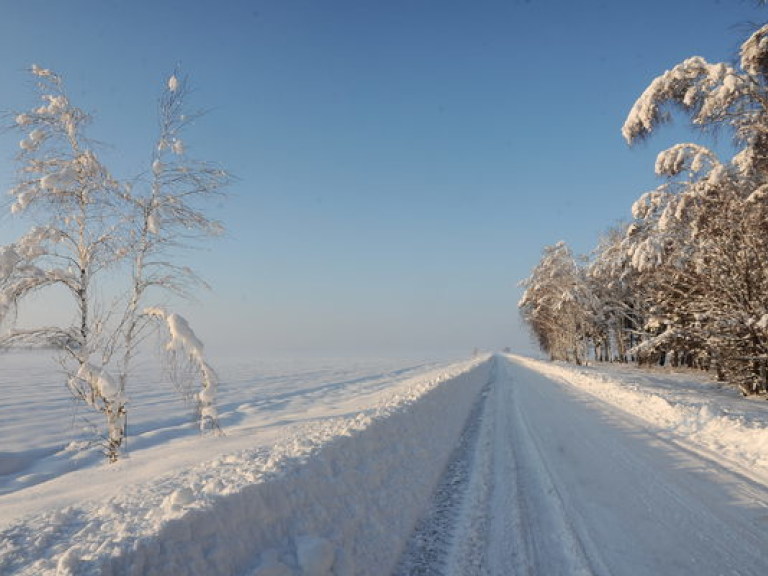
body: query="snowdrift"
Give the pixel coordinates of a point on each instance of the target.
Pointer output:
(342, 493)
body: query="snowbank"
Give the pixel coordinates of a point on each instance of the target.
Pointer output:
(714, 421)
(340, 494)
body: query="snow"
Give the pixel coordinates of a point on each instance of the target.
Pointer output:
(182, 336)
(754, 50)
(315, 555)
(550, 480)
(648, 203)
(674, 160)
(648, 254)
(61, 180)
(704, 416)
(41, 72)
(9, 258)
(708, 90)
(183, 341)
(153, 221)
(57, 104)
(33, 140)
(22, 201)
(100, 381)
(514, 465)
(293, 471)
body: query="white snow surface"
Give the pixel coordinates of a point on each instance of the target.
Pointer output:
(523, 466)
(687, 407)
(323, 463)
(550, 479)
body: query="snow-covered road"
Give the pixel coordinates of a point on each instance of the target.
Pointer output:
(550, 480)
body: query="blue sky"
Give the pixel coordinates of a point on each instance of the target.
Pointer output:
(400, 163)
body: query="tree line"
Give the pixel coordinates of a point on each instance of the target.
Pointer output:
(685, 282)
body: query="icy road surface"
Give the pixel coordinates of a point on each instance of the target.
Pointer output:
(549, 480)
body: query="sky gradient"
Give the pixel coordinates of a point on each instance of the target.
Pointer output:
(400, 164)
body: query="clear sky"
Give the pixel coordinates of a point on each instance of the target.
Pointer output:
(400, 163)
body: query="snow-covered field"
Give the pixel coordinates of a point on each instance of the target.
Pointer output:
(328, 466)
(313, 454)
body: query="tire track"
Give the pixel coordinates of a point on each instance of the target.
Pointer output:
(428, 549)
(497, 511)
(544, 481)
(548, 527)
(627, 502)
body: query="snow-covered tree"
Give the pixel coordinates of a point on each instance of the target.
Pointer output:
(709, 221)
(86, 224)
(557, 305)
(619, 302)
(65, 189)
(169, 214)
(686, 281)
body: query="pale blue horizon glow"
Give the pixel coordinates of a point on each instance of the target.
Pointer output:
(400, 165)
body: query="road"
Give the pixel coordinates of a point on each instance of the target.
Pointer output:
(548, 480)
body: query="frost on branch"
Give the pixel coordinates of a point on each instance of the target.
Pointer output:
(686, 282)
(707, 91)
(167, 216)
(714, 96)
(685, 157)
(99, 390)
(557, 301)
(706, 176)
(754, 53)
(185, 352)
(22, 272)
(651, 203)
(86, 226)
(759, 196)
(647, 254)
(33, 140)
(41, 72)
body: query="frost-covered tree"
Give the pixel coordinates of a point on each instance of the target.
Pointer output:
(168, 214)
(687, 281)
(86, 224)
(557, 305)
(716, 212)
(619, 301)
(65, 189)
